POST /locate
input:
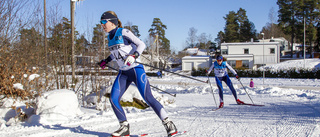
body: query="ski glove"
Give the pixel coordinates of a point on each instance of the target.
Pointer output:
(103, 63)
(131, 59)
(237, 76)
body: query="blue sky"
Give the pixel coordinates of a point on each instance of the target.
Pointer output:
(179, 15)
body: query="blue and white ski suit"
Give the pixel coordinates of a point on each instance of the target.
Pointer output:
(221, 74)
(123, 43)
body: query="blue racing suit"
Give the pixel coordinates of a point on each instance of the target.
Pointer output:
(221, 74)
(123, 43)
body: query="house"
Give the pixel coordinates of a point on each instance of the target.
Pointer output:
(251, 54)
(196, 62)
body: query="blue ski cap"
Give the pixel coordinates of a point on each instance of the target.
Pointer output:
(219, 57)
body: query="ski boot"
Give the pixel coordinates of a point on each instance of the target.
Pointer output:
(123, 130)
(170, 127)
(221, 105)
(239, 102)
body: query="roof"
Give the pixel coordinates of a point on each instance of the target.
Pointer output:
(250, 43)
(195, 57)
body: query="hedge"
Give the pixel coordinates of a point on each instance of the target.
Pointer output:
(291, 73)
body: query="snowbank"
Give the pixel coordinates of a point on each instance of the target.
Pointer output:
(295, 64)
(56, 106)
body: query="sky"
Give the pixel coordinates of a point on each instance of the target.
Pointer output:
(206, 16)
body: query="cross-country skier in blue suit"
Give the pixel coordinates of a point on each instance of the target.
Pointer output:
(125, 49)
(221, 74)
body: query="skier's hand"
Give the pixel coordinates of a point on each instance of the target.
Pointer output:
(237, 77)
(103, 63)
(131, 59)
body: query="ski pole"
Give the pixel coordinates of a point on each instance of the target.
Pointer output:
(174, 95)
(245, 90)
(212, 92)
(173, 72)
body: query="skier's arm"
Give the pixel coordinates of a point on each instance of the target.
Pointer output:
(134, 40)
(231, 69)
(104, 62)
(210, 69)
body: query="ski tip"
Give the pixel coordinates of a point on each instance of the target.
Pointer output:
(178, 133)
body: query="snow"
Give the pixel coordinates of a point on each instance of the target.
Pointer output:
(296, 64)
(56, 106)
(292, 108)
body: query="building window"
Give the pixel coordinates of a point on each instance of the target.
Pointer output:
(232, 63)
(246, 51)
(272, 51)
(245, 63)
(224, 51)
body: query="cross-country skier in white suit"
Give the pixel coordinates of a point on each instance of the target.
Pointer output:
(221, 74)
(125, 49)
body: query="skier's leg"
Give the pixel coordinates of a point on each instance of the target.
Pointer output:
(145, 91)
(119, 87)
(230, 85)
(220, 87)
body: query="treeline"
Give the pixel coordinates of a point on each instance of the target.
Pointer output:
(23, 45)
(288, 23)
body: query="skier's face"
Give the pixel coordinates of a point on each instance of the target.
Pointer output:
(219, 62)
(108, 26)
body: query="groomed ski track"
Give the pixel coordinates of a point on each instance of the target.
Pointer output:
(192, 112)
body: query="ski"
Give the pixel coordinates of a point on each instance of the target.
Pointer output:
(146, 134)
(140, 135)
(252, 104)
(178, 134)
(215, 109)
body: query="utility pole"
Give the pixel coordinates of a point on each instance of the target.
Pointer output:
(263, 64)
(45, 33)
(72, 7)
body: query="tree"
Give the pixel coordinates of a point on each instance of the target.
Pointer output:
(287, 18)
(220, 38)
(317, 47)
(158, 28)
(60, 48)
(98, 39)
(30, 47)
(272, 29)
(238, 28)
(192, 37)
(247, 31)
(246, 28)
(133, 28)
(231, 29)
(291, 18)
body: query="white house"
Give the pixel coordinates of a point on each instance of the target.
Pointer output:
(196, 62)
(251, 54)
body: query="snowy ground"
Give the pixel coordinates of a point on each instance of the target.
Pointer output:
(292, 108)
(287, 112)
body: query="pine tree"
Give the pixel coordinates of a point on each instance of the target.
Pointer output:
(291, 19)
(231, 29)
(98, 38)
(158, 28)
(287, 18)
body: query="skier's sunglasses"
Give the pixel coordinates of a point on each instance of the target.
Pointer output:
(219, 60)
(104, 21)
